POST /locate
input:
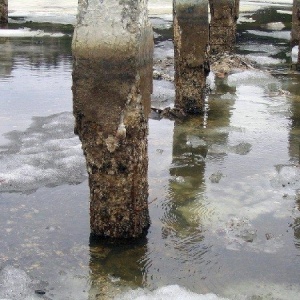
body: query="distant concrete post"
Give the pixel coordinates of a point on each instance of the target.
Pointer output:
(3, 11)
(295, 36)
(224, 15)
(191, 34)
(112, 82)
(295, 23)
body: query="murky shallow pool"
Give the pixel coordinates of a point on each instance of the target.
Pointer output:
(224, 188)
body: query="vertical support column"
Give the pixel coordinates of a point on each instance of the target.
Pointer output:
(295, 37)
(224, 14)
(112, 82)
(191, 34)
(3, 12)
(295, 23)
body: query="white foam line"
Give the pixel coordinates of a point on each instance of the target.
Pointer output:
(27, 33)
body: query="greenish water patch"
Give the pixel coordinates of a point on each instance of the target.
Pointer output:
(46, 26)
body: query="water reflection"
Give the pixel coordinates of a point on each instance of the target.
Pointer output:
(294, 137)
(185, 252)
(296, 226)
(113, 266)
(6, 57)
(38, 52)
(181, 225)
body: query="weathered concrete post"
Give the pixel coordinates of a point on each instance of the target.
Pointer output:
(295, 23)
(224, 14)
(3, 12)
(191, 34)
(295, 37)
(112, 82)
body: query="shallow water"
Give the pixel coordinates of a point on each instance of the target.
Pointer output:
(224, 187)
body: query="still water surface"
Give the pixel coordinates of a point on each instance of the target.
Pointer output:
(224, 188)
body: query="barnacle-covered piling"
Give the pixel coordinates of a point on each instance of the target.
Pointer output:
(191, 33)
(224, 15)
(3, 11)
(112, 82)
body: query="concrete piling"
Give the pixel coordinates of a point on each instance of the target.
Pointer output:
(112, 82)
(224, 15)
(296, 29)
(191, 34)
(3, 12)
(295, 23)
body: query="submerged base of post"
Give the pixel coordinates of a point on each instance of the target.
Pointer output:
(191, 59)
(112, 82)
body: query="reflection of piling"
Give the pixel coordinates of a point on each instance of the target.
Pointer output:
(112, 264)
(191, 62)
(224, 15)
(3, 12)
(112, 82)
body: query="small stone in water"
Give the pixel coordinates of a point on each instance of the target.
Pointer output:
(40, 292)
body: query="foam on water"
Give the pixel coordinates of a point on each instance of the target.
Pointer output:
(15, 285)
(295, 54)
(173, 292)
(251, 77)
(164, 50)
(46, 154)
(163, 94)
(20, 33)
(264, 60)
(284, 35)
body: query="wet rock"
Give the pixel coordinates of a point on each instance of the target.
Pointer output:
(173, 113)
(275, 26)
(225, 64)
(216, 177)
(170, 113)
(269, 236)
(237, 233)
(241, 148)
(248, 235)
(163, 69)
